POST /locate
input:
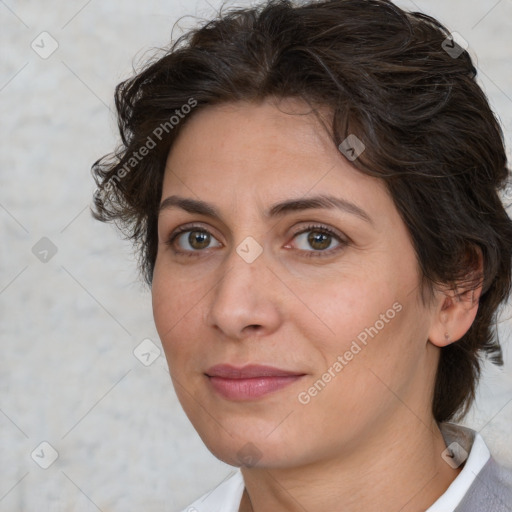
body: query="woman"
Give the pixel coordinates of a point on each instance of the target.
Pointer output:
(314, 191)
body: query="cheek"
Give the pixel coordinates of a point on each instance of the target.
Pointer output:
(175, 303)
(349, 305)
(382, 339)
(370, 318)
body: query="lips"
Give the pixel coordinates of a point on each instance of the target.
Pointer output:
(248, 372)
(249, 382)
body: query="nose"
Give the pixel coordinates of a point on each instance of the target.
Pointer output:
(245, 302)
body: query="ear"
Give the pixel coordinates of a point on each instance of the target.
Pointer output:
(456, 309)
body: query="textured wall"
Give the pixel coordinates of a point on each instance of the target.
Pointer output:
(72, 308)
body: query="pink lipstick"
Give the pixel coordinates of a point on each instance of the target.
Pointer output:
(249, 382)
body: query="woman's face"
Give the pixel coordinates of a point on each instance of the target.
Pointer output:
(327, 293)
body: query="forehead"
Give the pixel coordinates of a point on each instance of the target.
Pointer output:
(270, 151)
(242, 131)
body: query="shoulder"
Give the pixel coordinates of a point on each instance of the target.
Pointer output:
(225, 497)
(491, 490)
(483, 484)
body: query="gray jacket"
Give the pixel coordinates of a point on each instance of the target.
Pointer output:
(491, 491)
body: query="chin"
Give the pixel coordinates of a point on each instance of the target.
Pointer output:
(244, 447)
(255, 450)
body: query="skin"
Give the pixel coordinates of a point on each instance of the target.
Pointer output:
(300, 313)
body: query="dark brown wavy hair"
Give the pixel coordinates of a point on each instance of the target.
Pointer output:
(394, 79)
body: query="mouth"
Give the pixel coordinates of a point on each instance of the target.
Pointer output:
(249, 382)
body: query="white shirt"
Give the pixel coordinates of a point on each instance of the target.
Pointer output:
(227, 495)
(478, 456)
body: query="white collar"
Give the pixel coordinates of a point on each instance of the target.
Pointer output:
(226, 497)
(473, 443)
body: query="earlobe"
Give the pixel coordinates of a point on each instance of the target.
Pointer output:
(457, 309)
(455, 316)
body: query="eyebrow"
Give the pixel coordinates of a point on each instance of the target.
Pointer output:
(195, 206)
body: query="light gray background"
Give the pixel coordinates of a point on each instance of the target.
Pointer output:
(69, 326)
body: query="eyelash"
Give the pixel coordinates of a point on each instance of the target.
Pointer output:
(308, 254)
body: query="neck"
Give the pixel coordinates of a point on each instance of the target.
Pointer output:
(388, 471)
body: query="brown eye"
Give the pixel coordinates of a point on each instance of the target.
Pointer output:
(192, 240)
(319, 241)
(199, 239)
